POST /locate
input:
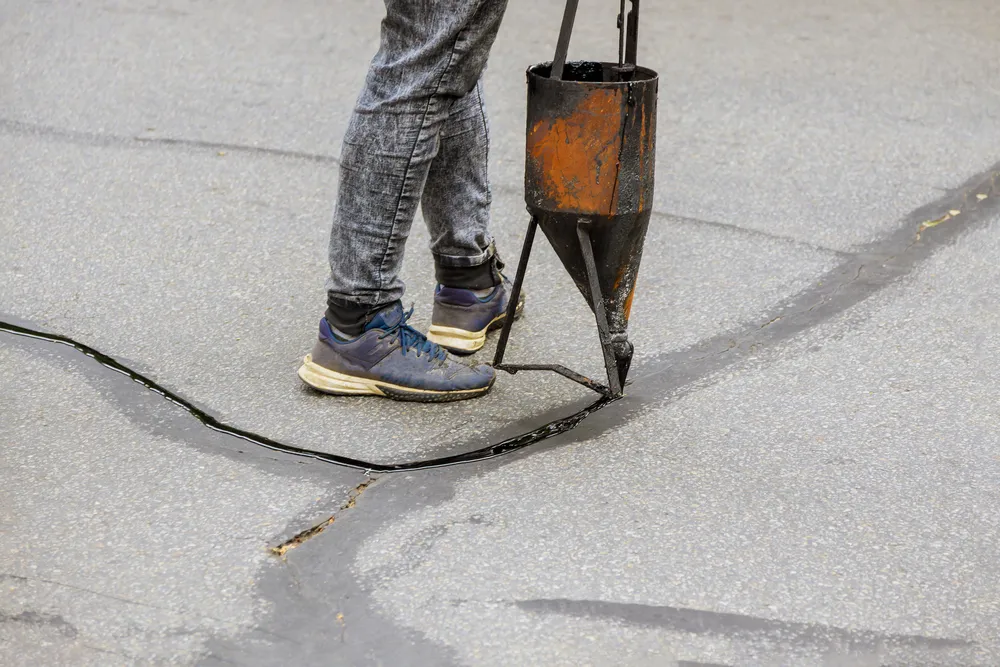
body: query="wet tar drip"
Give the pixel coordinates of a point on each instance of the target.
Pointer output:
(503, 447)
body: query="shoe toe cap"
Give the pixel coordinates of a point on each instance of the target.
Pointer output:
(466, 376)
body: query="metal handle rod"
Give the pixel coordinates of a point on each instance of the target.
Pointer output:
(562, 46)
(561, 370)
(621, 35)
(632, 41)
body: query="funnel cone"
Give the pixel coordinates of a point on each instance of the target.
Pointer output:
(617, 254)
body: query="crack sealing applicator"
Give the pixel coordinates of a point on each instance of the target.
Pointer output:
(590, 153)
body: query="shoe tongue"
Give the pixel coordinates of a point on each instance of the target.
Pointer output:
(386, 318)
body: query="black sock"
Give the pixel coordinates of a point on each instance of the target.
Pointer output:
(481, 276)
(349, 317)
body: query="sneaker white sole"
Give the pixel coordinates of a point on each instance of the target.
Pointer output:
(341, 384)
(466, 342)
(453, 338)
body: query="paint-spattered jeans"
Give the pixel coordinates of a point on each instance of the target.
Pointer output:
(418, 136)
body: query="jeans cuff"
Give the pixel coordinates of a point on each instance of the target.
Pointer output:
(468, 273)
(465, 261)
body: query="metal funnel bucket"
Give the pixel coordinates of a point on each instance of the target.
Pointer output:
(589, 171)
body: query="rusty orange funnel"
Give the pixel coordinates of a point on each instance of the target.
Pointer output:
(589, 168)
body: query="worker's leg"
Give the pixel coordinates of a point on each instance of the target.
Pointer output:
(456, 201)
(431, 55)
(472, 295)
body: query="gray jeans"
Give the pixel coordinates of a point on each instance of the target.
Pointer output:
(418, 135)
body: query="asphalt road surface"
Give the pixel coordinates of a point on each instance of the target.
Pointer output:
(804, 470)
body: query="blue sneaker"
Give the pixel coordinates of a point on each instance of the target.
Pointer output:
(463, 317)
(391, 359)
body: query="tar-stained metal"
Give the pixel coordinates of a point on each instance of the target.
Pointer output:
(590, 148)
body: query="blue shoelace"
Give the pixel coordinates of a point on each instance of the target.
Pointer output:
(410, 338)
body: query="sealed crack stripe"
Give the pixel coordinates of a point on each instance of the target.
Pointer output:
(673, 373)
(733, 626)
(988, 190)
(857, 277)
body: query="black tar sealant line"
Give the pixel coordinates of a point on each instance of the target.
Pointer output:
(503, 447)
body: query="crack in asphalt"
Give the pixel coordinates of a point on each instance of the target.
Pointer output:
(103, 139)
(750, 232)
(21, 579)
(309, 533)
(40, 619)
